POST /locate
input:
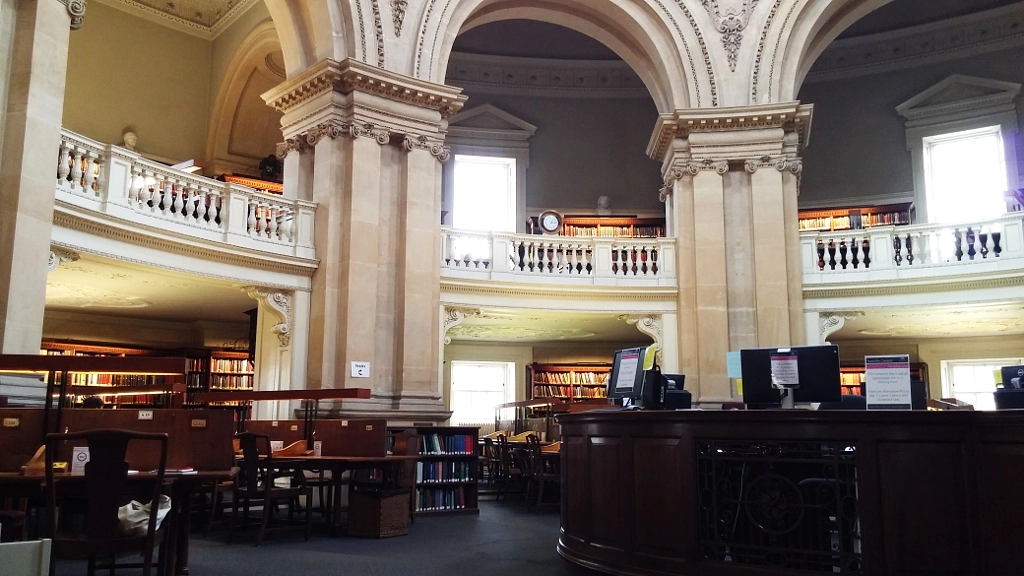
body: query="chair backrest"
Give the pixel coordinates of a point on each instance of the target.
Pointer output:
(407, 444)
(107, 480)
(256, 458)
(504, 454)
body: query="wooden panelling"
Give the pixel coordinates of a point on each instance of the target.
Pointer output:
(607, 480)
(20, 436)
(352, 437)
(1002, 504)
(925, 509)
(660, 512)
(576, 504)
(287, 431)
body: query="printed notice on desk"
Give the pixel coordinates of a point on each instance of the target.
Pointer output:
(785, 369)
(629, 362)
(887, 382)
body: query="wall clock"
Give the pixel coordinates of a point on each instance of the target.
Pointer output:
(550, 222)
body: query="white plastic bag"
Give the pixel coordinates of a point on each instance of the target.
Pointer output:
(133, 517)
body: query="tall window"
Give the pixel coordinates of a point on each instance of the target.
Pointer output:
(965, 176)
(485, 194)
(477, 387)
(974, 381)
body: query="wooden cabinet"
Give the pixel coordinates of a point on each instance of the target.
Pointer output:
(856, 217)
(609, 226)
(567, 381)
(851, 376)
(446, 471)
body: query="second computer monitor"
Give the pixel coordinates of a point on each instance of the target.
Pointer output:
(817, 372)
(627, 375)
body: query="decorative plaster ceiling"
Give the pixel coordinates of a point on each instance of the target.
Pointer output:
(544, 325)
(905, 13)
(1006, 318)
(102, 286)
(205, 18)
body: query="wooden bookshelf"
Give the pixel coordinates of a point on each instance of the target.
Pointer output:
(572, 382)
(851, 376)
(856, 217)
(613, 226)
(219, 371)
(446, 471)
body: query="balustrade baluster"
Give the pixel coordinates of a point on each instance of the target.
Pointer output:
(76, 167)
(971, 252)
(574, 260)
(654, 261)
(910, 251)
(135, 188)
(521, 255)
(854, 251)
(615, 261)
(213, 213)
(996, 237)
(897, 247)
(832, 254)
(983, 241)
(632, 257)
(549, 258)
(250, 226)
(272, 224)
(865, 247)
(643, 260)
(842, 253)
(287, 228)
(178, 205)
(63, 164)
(89, 178)
(201, 197)
(958, 242)
(167, 200)
(821, 254)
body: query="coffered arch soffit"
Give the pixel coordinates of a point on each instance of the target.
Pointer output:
(313, 30)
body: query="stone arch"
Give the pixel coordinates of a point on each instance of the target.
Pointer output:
(805, 32)
(632, 29)
(312, 31)
(251, 69)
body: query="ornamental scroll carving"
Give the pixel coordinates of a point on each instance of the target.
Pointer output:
(691, 168)
(335, 129)
(76, 10)
(293, 144)
(398, 14)
(58, 255)
(435, 147)
(453, 316)
(780, 163)
(730, 25)
(281, 303)
(649, 324)
(831, 322)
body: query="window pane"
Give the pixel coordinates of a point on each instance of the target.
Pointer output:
(476, 388)
(484, 194)
(956, 194)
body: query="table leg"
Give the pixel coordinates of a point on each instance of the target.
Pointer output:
(336, 479)
(183, 528)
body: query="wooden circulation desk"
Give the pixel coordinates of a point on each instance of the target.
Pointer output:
(793, 492)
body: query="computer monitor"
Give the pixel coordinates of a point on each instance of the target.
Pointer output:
(817, 372)
(627, 375)
(1013, 376)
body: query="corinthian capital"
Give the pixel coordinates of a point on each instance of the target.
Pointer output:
(294, 144)
(780, 163)
(435, 147)
(695, 167)
(335, 129)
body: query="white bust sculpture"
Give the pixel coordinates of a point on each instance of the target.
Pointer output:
(130, 139)
(602, 206)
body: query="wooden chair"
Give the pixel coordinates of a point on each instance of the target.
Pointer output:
(407, 445)
(491, 462)
(510, 472)
(256, 483)
(539, 473)
(104, 489)
(12, 519)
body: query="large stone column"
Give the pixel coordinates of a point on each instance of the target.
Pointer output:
(32, 120)
(731, 182)
(376, 143)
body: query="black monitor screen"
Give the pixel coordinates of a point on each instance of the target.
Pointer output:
(818, 373)
(1011, 373)
(627, 373)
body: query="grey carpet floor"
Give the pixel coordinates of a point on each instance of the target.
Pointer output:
(504, 540)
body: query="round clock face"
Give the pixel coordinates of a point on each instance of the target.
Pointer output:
(549, 222)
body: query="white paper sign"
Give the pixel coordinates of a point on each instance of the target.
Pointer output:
(785, 370)
(318, 448)
(276, 445)
(79, 458)
(887, 382)
(628, 364)
(360, 369)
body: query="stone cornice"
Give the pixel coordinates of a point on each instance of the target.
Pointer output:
(67, 216)
(991, 30)
(554, 292)
(545, 77)
(790, 116)
(191, 27)
(352, 75)
(950, 283)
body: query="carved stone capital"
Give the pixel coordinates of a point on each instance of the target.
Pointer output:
(697, 166)
(76, 10)
(831, 322)
(294, 144)
(649, 324)
(780, 163)
(730, 24)
(280, 302)
(335, 129)
(58, 255)
(435, 147)
(455, 315)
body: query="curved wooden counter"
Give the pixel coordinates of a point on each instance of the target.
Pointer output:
(779, 493)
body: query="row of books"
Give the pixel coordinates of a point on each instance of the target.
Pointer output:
(440, 498)
(444, 471)
(571, 377)
(826, 223)
(855, 221)
(224, 382)
(569, 391)
(851, 379)
(80, 379)
(155, 400)
(448, 444)
(241, 366)
(611, 231)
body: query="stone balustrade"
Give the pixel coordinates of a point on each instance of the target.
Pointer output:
(887, 252)
(127, 187)
(558, 259)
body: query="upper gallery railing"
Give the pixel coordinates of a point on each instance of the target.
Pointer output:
(123, 185)
(901, 251)
(570, 259)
